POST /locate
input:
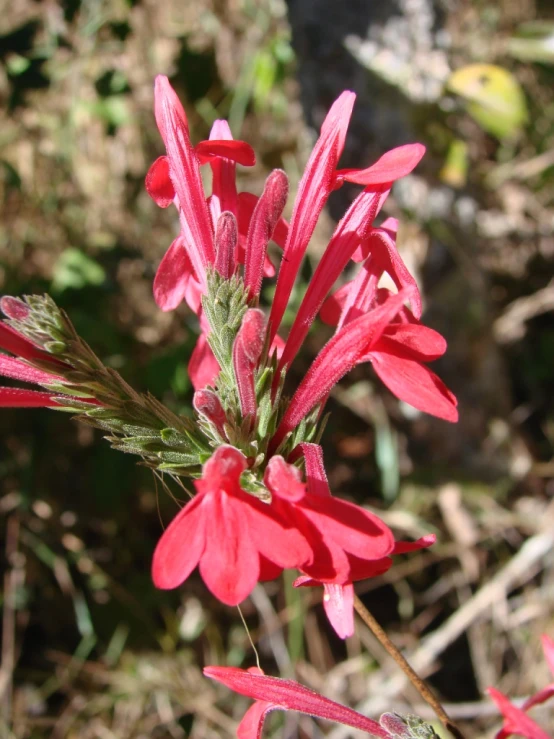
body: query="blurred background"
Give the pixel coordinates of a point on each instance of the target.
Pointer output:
(89, 647)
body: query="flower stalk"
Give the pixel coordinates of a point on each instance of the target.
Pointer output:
(419, 684)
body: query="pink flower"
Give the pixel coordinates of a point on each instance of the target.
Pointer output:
(516, 720)
(338, 597)
(273, 693)
(400, 354)
(175, 178)
(230, 229)
(18, 367)
(230, 534)
(341, 354)
(341, 535)
(237, 539)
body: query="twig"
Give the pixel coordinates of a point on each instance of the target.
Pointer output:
(400, 660)
(518, 569)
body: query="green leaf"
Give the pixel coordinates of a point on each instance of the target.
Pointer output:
(74, 269)
(494, 98)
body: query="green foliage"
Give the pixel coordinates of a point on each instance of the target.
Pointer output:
(533, 42)
(493, 96)
(75, 270)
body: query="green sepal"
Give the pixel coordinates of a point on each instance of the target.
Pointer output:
(55, 347)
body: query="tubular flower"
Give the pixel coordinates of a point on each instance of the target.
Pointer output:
(273, 693)
(338, 597)
(20, 367)
(516, 720)
(228, 533)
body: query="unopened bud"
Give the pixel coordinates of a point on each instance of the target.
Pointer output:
(226, 237)
(14, 308)
(247, 350)
(262, 224)
(407, 727)
(207, 404)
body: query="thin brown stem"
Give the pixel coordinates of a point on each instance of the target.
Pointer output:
(422, 688)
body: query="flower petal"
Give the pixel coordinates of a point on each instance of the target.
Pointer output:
(402, 547)
(185, 175)
(181, 545)
(314, 189)
(337, 357)
(15, 343)
(237, 151)
(515, 720)
(224, 188)
(284, 480)
(18, 370)
(414, 383)
(252, 722)
(229, 564)
(540, 697)
(419, 342)
(393, 165)
(381, 246)
(158, 183)
(353, 528)
(203, 366)
(278, 541)
(338, 603)
(268, 570)
(363, 569)
(350, 231)
(12, 397)
(172, 279)
(389, 225)
(292, 696)
(332, 308)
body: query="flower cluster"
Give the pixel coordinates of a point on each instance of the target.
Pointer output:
(262, 500)
(253, 513)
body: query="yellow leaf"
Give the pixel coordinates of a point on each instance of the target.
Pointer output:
(494, 98)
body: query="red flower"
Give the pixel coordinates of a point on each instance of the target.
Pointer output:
(17, 367)
(273, 693)
(341, 354)
(247, 349)
(181, 275)
(175, 178)
(338, 597)
(341, 535)
(400, 354)
(516, 720)
(230, 534)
